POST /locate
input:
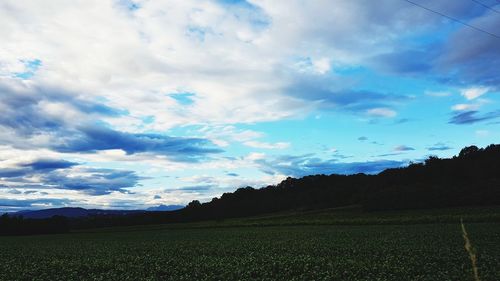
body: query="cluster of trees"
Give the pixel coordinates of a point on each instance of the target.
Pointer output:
(17, 225)
(472, 178)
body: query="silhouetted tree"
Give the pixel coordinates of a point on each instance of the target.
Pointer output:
(471, 178)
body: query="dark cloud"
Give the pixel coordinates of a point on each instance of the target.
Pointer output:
(157, 197)
(61, 174)
(388, 154)
(362, 138)
(338, 156)
(94, 181)
(23, 113)
(30, 192)
(470, 117)
(6, 204)
(94, 138)
(439, 146)
(406, 61)
(196, 187)
(37, 166)
(49, 164)
(13, 191)
(403, 148)
(12, 172)
(474, 61)
(449, 59)
(298, 166)
(319, 89)
(233, 174)
(23, 109)
(402, 120)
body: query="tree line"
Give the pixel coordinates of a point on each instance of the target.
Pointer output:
(471, 178)
(17, 225)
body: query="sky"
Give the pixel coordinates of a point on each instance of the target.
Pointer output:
(121, 104)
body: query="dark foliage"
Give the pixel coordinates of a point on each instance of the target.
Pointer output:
(17, 225)
(470, 179)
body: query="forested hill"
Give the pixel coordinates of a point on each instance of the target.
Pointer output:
(468, 179)
(471, 178)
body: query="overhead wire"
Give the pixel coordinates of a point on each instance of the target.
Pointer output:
(486, 6)
(454, 19)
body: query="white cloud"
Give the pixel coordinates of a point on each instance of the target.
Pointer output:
(465, 106)
(322, 65)
(381, 112)
(478, 103)
(224, 135)
(132, 59)
(266, 145)
(475, 92)
(255, 156)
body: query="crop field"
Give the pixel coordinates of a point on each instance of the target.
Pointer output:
(307, 252)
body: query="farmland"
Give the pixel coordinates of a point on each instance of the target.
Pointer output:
(229, 252)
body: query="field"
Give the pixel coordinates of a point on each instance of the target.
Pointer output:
(228, 251)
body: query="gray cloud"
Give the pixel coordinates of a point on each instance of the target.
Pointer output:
(403, 148)
(298, 166)
(94, 181)
(406, 61)
(23, 109)
(451, 60)
(94, 138)
(60, 174)
(12, 191)
(439, 147)
(470, 117)
(388, 154)
(475, 62)
(193, 188)
(24, 116)
(16, 204)
(319, 89)
(49, 164)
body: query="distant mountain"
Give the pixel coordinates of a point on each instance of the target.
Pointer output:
(73, 213)
(165, 208)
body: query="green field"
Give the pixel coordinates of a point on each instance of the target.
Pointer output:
(232, 250)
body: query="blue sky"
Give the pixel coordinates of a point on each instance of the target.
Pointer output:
(133, 104)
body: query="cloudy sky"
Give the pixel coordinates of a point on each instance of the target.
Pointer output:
(132, 104)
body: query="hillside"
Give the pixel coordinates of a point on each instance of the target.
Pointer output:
(471, 178)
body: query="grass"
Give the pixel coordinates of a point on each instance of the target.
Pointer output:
(351, 215)
(237, 250)
(471, 251)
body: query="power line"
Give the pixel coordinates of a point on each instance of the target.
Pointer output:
(486, 6)
(454, 19)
